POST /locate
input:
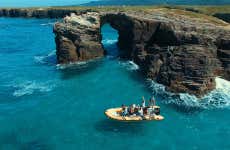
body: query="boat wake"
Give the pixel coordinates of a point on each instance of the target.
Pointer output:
(30, 87)
(218, 98)
(129, 65)
(46, 59)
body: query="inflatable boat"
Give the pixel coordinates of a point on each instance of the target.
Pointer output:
(115, 114)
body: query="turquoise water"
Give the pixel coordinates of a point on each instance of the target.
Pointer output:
(45, 107)
(37, 3)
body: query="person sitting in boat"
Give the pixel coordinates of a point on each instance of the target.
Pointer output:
(140, 112)
(124, 110)
(145, 111)
(131, 110)
(136, 110)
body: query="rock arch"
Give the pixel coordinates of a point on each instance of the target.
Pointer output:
(183, 57)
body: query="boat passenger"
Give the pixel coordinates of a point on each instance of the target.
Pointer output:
(140, 112)
(123, 107)
(136, 110)
(131, 110)
(151, 112)
(124, 111)
(145, 110)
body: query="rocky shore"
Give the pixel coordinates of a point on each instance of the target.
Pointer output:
(39, 12)
(182, 50)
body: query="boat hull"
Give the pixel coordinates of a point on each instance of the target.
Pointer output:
(114, 113)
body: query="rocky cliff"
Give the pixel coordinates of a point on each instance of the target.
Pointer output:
(78, 38)
(183, 51)
(39, 12)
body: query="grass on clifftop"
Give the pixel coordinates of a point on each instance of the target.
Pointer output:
(202, 13)
(210, 10)
(204, 9)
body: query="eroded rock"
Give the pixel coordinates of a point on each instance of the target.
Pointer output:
(182, 52)
(78, 38)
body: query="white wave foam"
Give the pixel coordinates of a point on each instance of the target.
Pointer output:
(108, 41)
(218, 98)
(29, 87)
(223, 85)
(74, 64)
(130, 65)
(44, 58)
(47, 24)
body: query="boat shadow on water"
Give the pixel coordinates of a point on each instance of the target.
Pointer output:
(108, 125)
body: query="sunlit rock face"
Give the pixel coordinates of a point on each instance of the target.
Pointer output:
(78, 38)
(182, 52)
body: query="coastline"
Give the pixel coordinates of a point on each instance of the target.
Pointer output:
(183, 62)
(221, 12)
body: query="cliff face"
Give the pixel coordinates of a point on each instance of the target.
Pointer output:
(39, 12)
(183, 50)
(183, 53)
(78, 38)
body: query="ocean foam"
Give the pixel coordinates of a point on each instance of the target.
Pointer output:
(44, 59)
(218, 98)
(108, 41)
(29, 87)
(47, 24)
(73, 64)
(130, 65)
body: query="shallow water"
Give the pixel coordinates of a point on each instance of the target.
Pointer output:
(45, 107)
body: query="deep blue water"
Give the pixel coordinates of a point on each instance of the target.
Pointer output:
(45, 107)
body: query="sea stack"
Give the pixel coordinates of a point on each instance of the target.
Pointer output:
(78, 38)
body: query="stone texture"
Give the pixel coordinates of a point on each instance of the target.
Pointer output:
(78, 38)
(39, 12)
(183, 50)
(185, 54)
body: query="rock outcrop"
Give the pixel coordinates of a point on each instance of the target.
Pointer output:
(78, 38)
(183, 52)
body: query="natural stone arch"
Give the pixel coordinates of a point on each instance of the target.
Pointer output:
(182, 57)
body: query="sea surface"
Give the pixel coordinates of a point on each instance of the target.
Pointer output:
(40, 3)
(45, 106)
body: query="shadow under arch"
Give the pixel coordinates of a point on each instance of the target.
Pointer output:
(124, 26)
